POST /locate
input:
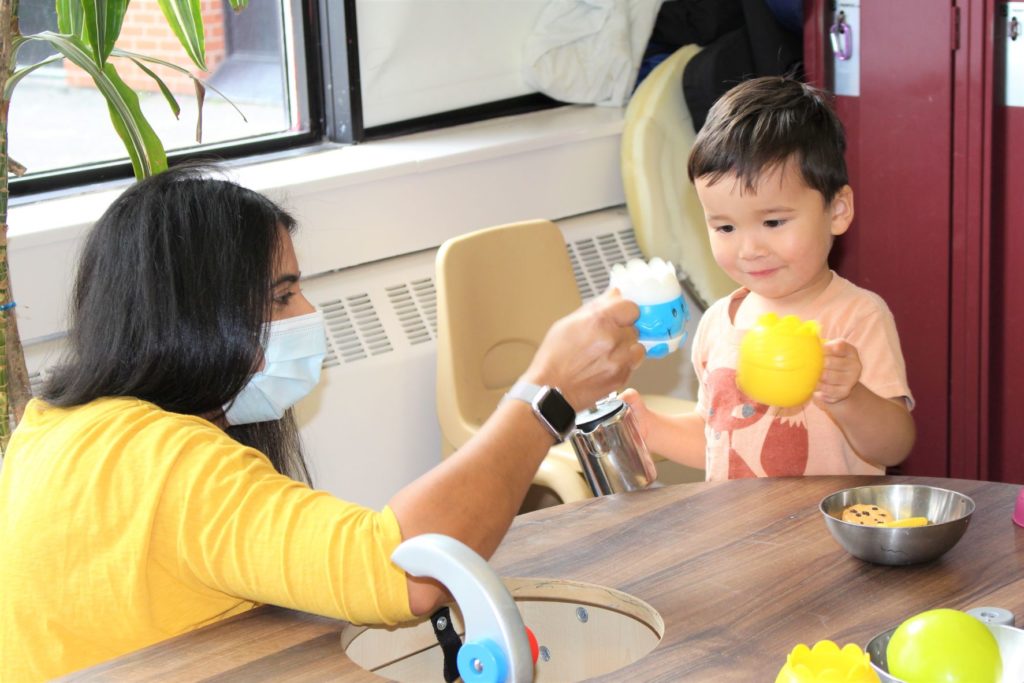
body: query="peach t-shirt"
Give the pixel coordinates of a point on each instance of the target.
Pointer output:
(750, 439)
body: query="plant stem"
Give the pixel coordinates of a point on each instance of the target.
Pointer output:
(14, 385)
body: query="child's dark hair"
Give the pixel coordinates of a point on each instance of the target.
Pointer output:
(761, 123)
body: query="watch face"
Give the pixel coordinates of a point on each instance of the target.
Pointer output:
(557, 411)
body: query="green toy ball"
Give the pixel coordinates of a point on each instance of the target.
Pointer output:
(944, 646)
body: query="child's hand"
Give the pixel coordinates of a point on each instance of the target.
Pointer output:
(841, 372)
(640, 411)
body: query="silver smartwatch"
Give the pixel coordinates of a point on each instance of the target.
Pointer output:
(548, 404)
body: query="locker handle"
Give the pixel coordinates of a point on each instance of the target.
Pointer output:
(841, 36)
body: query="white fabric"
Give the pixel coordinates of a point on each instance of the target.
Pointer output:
(589, 51)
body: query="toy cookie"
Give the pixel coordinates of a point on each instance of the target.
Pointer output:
(865, 514)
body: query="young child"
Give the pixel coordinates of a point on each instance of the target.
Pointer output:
(769, 170)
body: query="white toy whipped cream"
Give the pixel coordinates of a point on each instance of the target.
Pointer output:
(646, 283)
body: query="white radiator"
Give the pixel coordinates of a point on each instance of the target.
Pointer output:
(370, 427)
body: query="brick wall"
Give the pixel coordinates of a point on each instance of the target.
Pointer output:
(146, 31)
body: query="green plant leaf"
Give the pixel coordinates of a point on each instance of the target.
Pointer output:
(168, 95)
(103, 19)
(199, 83)
(200, 98)
(186, 20)
(21, 73)
(144, 147)
(71, 18)
(239, 5)
(154, 159)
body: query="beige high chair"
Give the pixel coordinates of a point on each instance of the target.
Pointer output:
(498, 291)
(663, 206)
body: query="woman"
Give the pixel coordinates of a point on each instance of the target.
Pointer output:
(147, 492)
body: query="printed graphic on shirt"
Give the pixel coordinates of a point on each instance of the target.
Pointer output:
(784, 447)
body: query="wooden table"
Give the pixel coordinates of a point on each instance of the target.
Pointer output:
(740, 572)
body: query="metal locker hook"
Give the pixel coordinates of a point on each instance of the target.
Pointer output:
(841, 37)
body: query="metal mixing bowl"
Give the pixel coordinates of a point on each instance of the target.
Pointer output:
(948, 514)
(1011, 649)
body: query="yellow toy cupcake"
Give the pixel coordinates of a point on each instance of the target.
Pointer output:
(780, 360)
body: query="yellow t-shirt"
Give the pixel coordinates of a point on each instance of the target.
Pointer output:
(122, 525)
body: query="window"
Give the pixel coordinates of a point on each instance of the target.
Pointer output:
(58, 120)
(296, 72)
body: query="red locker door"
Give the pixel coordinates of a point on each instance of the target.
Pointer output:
(900, 132)
(1006, 427)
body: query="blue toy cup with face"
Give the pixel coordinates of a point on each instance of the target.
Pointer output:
(661, 326)
(654, 287)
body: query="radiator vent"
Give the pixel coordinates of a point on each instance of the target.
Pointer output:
(426, 296)
(354, 330)
(415, 306)
(408, 304)
(592, 257)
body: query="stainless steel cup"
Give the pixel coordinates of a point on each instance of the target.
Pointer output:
(611, 451)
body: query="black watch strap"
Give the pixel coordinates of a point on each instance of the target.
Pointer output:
(550, 407)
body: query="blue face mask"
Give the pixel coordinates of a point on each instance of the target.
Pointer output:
(291, 368)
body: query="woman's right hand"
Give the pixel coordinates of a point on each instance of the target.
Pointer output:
(589, 353)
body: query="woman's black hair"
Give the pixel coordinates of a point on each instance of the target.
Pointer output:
(170, 303)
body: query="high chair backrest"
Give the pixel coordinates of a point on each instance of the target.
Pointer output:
(667, 217)
(498, 291)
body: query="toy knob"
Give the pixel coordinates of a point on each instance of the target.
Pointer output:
(482, 662)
